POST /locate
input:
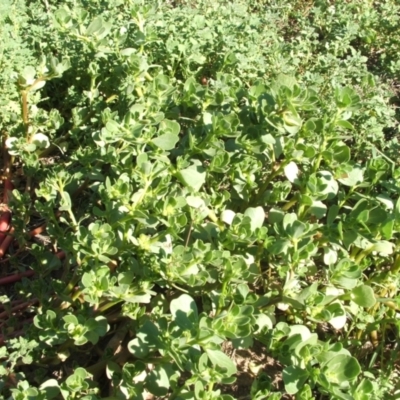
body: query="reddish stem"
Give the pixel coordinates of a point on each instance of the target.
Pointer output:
(5, 220)
(8, 185)
(19, 307)
(37, 231)
(60, 255)
(19, 251)
(12, 303)
(8, 188)
(15, 334)
(6, 243)
(16, 277)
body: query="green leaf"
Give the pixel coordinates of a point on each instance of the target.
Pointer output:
(310, 342)
(40, 140)
(294, 378)
(193, 177)
(364, 390)
(167, 141)
(257, 216)
(386, 201)
(342, 368)
(305, 393)
(51, 388)
(397, 211)
(275, 215)
(127, 52)
(268, 139)
(199, 390)
(364, 296)
(333, 212)
(158, 380)
(330, 187)
(65, 203)
(291, 171)
(71, 319)
(296, 229)
(113, 126)
(94, 26)
(195, 202)
(382, 247)
(174, 118)
(99, 28)
(30, 147)
(345, 274)
(352, 177)
(171, 127)
(147, 340)
(318, 209)
(344, 124)
(227, 216)
(97, 328)
(330, 256)
(184, 311)
(220, 359)
(27, 76)
(338, 317)
(341, 154)
(301, 330)
(288, 81)
(387, 229)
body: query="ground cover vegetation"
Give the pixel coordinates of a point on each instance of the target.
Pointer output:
(185, 181)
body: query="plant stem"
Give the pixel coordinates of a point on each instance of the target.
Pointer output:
(396, 265)
(106, 306)
(275, 172)
(19, 307)
(25, 112)
(16, 277)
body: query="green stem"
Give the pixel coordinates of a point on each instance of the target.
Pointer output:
(72, 216)
(290, 203)
(25, 112)
(396, 265)
(293, 264)
(260, 251)
(360, 257)
(275, 172)
(76, 295)
(106, 306)
(141, 197)
(42, 78)
(348, 195)
(72, 283)
(319, 158)
(84, 38)
(221, 301)
(302, 211)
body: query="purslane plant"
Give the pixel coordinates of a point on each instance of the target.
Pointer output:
(186, 176)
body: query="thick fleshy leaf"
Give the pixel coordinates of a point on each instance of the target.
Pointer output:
(294, 378)
(257, 216)
(220, 359)
(364, 296)
(291, 171)
(193, 177)
(167, 141)
(342, 368)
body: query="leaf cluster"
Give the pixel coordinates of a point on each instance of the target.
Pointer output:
(213, 173)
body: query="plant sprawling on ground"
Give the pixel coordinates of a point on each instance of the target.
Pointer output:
(185, 177)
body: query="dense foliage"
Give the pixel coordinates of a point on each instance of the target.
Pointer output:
(195, 176)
